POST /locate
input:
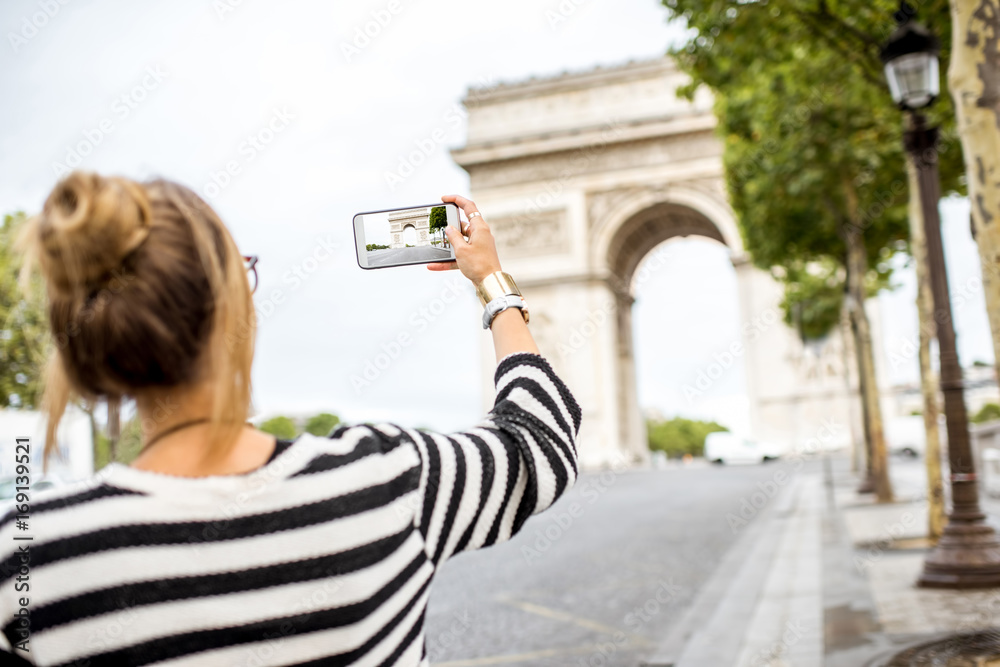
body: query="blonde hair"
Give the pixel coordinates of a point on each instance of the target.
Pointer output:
(146, 291)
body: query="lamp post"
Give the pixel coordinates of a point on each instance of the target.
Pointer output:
(968, 553)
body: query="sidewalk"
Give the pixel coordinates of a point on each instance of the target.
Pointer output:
(825, 577)
(889, 545)
(763, 605)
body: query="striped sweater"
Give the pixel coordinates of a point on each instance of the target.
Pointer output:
(322, 556)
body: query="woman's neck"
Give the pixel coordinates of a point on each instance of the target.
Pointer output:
(174, 426)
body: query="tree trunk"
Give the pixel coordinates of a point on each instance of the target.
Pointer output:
(849, 348)
(868, 475)
(857, 269)
(114, 429)
(94, 432)
(974, 83)
(936, 516)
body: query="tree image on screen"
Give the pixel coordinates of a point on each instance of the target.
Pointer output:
(438, 221)
(406, 236)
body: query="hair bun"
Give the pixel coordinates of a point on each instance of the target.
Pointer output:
(88, 225)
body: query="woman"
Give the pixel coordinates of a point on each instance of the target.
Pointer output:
(219, 545)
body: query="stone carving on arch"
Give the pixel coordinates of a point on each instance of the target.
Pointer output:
(610, 210)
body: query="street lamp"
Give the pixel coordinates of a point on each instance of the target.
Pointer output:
(911, 63)
(968, 553)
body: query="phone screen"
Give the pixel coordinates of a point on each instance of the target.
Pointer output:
(401, 236)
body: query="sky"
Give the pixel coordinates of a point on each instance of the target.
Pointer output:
(376, 228)
(287, 117)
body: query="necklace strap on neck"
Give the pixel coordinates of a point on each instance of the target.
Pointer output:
(173, 429)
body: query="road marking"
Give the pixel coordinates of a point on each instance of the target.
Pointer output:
(559, 615)
(570, 618)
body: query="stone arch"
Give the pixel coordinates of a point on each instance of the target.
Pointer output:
(618, 244)
(637, 235)
(409, 235)
(679, 212)
(606, 165)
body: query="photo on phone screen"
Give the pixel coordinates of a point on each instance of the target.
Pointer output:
(413, 235)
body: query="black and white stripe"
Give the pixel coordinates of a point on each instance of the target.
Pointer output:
(322, 556)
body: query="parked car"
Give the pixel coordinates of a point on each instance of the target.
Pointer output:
(906, 435)
(726, 447)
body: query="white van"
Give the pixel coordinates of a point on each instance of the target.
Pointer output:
(726, 447)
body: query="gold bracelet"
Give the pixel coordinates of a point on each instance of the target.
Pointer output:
(496, 285)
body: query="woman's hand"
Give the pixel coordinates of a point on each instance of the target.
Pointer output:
(477, 257)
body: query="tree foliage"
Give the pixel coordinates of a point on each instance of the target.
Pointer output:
(322, 424)
(129, 444)
(438, 218)
(989, 412)
(280, 427)
(438, 221)
(24, 335)
(812, 139)
(680, 436)
(814, 295)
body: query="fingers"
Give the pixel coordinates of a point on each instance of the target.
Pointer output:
(477, 257)
(467, 205)
(455, 238)
(442, 266)
(467, 231)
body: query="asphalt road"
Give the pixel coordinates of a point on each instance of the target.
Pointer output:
(406, 255)
(599, 578)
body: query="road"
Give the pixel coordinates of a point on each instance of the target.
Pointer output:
(392, 256)
(614, 577)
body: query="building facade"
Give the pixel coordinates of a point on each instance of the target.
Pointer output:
(582, 175)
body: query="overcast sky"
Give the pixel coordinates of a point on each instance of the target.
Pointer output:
(287, 121)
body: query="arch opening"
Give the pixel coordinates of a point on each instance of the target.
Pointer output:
(643, 231)
(688, 347)
(410, 235)
(679, 319)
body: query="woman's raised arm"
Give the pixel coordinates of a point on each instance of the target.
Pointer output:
(479, 487)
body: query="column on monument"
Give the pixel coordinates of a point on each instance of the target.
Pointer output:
(632, 434)
(796, 400)
(585, 349)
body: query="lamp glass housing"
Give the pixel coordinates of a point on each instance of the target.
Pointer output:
(913, 79)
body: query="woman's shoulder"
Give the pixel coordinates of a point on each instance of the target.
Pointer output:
(58, 507)
(355, 445)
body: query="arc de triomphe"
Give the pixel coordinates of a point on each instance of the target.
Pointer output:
(418, 218)
(581, 176)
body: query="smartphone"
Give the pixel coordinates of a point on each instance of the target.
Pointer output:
(401, 236)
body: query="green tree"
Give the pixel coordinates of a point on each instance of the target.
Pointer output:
(24, 336)
(280, 427)
(438, 221)
(322, 424)
(680, 436)
(127, 449)
(813, 152)
(814, 297)
(989, 412)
